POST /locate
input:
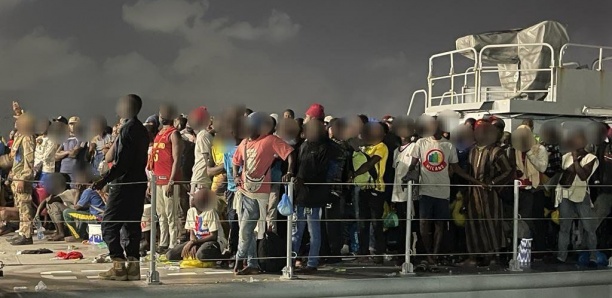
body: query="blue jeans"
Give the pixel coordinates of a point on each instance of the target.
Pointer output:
(569, 210)
(312, 217)
(247, 243)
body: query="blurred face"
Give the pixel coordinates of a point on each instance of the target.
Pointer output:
(166, 115)
(42, 126)
(123, 108)
(405, 131)
(97, 127)
(485, 134)
(430, 127)
(314, 131)
(577, 141)
(374, 133)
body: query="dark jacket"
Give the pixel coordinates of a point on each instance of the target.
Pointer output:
(313, 167)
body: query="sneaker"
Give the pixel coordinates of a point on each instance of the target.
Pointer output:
(133, 269)
(118, 272)
(17, 236)
(248, 271)
(22, 240)
(162, 250)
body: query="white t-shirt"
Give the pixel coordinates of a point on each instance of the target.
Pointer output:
(204, 224)
(203, 146)
(435, 157)
(402, 157)
(579, 189)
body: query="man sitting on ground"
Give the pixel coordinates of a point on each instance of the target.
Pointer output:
(206, 236)
(88, 208)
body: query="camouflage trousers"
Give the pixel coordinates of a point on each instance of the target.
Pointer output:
(23, 202)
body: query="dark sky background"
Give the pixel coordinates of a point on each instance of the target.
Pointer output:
(77, 57)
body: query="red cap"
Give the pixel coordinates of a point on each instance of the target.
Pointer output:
(316, 111)
(199, 113)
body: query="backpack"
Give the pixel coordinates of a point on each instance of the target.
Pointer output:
(271, 246)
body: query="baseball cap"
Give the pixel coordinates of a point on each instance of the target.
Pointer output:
(74, 119)
(61, 119)
(316, 111)
(328, 119)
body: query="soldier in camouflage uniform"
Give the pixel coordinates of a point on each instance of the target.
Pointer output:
(22, 173)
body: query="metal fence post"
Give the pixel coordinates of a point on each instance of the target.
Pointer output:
(153, 274)
(288, 270)
(407, 267)
(514, 264)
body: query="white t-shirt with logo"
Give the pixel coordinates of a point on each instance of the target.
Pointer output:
(435, 157)
(204, 224)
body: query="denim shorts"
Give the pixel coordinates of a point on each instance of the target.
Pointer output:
(434, 208)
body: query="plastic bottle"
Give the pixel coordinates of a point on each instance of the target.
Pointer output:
(20, 289)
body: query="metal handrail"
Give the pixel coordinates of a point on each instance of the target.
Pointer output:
(586, 46)
(413, 97)
(451, 74)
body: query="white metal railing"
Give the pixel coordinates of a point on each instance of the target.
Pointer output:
(414, 94)
(451, 74)
(600, 50)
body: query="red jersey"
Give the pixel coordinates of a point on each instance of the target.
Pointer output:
(161, 159)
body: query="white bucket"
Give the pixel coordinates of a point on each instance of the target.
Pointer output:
(95, 233)
(145, 222)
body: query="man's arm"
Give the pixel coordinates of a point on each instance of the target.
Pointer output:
(371, 163)
(60, 153)
(211, 237)
(177, 148)
(459, 171)
(538, 157)
(584, 172)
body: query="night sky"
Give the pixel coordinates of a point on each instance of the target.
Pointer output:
(77, 57)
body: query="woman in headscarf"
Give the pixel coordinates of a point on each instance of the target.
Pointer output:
(489, 165)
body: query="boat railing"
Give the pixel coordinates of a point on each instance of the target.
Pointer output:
(453, 96)
(603, 54)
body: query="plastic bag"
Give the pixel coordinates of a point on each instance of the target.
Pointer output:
(285, 206)
(189, 263)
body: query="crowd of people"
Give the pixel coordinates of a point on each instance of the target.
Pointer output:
(217, 181)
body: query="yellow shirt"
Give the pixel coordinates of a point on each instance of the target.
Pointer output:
(218, 181)
(381, 151)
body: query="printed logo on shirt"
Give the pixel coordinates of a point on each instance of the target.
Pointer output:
(434, 160)
(201, 228)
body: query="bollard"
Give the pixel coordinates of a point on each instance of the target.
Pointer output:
(514, 264)
(153, 274)
(407, 267)
(288, 270)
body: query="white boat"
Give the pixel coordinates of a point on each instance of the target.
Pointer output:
(512, 74)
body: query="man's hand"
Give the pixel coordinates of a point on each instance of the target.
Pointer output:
(187, 249)
(148, 193)
(74, 152)
(287, 177)
(20, 186)
(170, 189)
(237, 180)
(98, 185)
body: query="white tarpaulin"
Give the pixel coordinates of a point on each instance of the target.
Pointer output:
(522, 57)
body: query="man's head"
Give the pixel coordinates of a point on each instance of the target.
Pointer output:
(528, 122)
(463, 136)
(404, 127)
(199, 118)
(42, 126)
(82, 174)
(73, 124)
(247, 112)
(25, 124)
(470, 122)
(484, 133)
(430, 126)
(373, 133)
(289, 114)
(314, 130)
(180, 122)
(98, 125)
(258, 124)
(315, 111)
(576, 139)
(337, 129)
(167, 114)
(204, 200)
(129, 106)
(549, 132)
(388, 120)
(54, 183)
(596, 132)
(289, 130)
(523, 139)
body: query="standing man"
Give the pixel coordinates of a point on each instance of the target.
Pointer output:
(126, 201)
(22, 153)
(203, 148)
(69, 151)
(256, 155)
(164, 161)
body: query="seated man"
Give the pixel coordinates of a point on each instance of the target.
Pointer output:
(206, 236)
(87, 209)
(59, 199)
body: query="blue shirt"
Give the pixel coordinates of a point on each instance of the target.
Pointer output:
(227, 164)
(67, 163)
(92, 199)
